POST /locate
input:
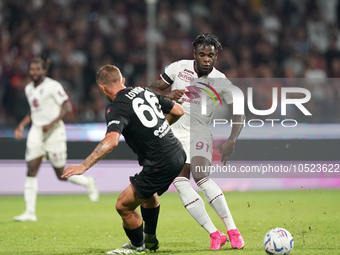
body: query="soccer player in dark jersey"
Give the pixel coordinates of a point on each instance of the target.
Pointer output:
(138, 114)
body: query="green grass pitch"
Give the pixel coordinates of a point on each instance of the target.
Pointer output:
(71, 224)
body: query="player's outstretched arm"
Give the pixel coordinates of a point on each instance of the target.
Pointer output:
(159, 87)
(66, 108)
(110, 142)
(176, 112)
(18, 131)
(227, 148)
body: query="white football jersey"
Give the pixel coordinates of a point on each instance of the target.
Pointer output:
(201, 95)
(45, 101)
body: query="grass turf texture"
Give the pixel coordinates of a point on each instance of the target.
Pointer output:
(71, 224)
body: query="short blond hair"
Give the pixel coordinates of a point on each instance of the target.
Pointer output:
(108, 74)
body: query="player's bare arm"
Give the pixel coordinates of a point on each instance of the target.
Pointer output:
(25, 121)
(227, 148)
(176, 112)
(66, 108)
(110, 142)
(159, 87)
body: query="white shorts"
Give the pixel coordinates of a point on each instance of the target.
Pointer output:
(184, 138)
(201, 145)
(51, 143)
(195, 144)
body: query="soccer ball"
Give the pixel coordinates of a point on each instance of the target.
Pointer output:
(278, 241)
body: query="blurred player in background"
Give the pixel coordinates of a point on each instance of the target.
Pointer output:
(137, 113)
(47, 136)
(196, 137)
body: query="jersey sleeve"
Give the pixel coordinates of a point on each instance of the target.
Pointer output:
(26, 90)
(166, 104)
(58, 93)
(170, 73)
(226, 93)
(116, 118)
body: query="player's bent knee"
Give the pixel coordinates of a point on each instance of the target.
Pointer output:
(121, 209)
(185, 171)
(199, 176)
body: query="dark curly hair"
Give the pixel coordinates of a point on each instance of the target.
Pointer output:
(207, 40)
(45, 63)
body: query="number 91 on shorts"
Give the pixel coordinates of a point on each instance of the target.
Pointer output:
(201, 147)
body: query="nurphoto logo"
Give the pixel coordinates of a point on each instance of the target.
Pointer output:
(239, 102)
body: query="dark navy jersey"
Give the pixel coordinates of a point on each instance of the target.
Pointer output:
(138, 114)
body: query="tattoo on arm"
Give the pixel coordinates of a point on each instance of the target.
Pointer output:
(99, 152)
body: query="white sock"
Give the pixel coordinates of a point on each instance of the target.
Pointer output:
(194, 204)
(214, 195)
(78, 179)
(30, 193)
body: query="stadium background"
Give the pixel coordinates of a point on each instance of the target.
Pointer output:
(286, 39)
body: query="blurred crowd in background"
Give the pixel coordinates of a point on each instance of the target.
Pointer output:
(261, 39)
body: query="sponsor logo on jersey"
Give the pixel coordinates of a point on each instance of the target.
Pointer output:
(185, 76)
(113, 122)
(194, 92)
(35, 103)
(191, 101)
(162, 130)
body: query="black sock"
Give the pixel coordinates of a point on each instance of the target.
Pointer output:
(135, 235)
(150, 216)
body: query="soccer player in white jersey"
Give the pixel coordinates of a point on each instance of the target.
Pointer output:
(47, 136)
(193, 131)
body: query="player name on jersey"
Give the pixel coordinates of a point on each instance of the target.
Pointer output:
(134, 92)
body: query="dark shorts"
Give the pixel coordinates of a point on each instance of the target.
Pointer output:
(153, 180)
